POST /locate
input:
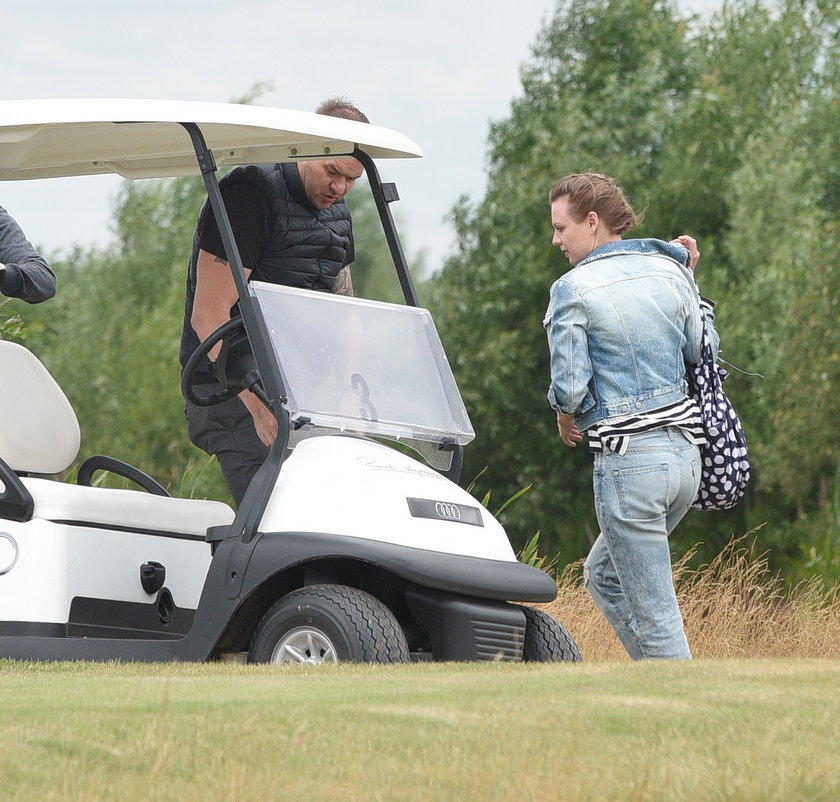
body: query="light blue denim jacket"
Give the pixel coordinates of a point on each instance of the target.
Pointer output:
(621, 325)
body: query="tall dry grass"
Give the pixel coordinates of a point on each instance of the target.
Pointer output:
(732, 607)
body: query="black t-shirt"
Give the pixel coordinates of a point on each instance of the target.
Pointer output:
(250, 219)
(250, 213)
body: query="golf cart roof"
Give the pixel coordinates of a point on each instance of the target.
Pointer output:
(145, 138)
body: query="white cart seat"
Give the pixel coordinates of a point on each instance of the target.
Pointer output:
(124, 509)
(39, 433)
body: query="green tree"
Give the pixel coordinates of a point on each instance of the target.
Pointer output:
(714, 130)
(600, 94)
(771, 74)
(373, 269)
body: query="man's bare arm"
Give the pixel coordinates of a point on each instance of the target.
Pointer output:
(215, 296)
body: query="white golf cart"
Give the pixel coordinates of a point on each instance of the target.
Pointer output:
(396, 562)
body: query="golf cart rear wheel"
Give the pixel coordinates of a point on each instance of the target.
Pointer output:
(547, 640)
(328, 624)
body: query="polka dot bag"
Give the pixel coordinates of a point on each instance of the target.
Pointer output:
(726, 463)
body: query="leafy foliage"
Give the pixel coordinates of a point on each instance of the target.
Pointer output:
(713, 131)
(373, 271)
(729, 131)
(11, 327)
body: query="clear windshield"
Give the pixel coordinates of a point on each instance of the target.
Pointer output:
(350, 364)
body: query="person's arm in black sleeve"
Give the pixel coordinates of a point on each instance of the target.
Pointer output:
(248, 213)
(24, 274)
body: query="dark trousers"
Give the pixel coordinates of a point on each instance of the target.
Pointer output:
(227, 431)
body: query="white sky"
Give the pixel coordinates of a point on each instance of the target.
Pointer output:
(437, 70)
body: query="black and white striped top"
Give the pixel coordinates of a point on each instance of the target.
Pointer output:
(613, 435)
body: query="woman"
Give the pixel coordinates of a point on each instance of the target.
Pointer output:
(621, 325)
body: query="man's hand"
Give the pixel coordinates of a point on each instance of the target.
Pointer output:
(568, 430)
(264, 421)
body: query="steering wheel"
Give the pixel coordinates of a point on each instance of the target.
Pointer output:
(235, 367)
(366, 408)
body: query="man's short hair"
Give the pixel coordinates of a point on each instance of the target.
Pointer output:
(341, 107)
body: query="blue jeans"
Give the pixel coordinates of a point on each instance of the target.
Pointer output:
(640, 498)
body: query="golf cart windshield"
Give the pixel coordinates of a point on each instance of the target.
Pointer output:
(364, 366)
(325, 363)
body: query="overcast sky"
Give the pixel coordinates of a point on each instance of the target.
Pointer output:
(439, 71)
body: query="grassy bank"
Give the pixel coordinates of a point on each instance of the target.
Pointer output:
(733, 607)
(756, 718)
(707, 730)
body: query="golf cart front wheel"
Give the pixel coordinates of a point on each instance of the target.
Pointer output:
(547, 640)
(328, 624)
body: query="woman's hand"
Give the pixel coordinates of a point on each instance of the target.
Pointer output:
(568, 430)
(690, 244)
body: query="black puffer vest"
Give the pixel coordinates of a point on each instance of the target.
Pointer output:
(307, 247)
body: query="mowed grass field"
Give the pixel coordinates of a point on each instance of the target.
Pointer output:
(746, 729)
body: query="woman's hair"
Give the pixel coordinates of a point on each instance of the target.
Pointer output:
(593, 192)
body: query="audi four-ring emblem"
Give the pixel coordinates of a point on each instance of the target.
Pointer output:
(444, 509)
(449, 511)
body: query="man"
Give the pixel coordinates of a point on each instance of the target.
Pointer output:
(291, 227)
(24, 273)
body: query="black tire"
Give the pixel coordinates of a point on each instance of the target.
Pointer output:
(547, 640)
(328, 623)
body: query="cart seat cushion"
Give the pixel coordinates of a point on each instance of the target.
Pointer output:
(124, 509)
(39, 432)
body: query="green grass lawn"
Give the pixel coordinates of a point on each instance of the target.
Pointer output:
(706, 730)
